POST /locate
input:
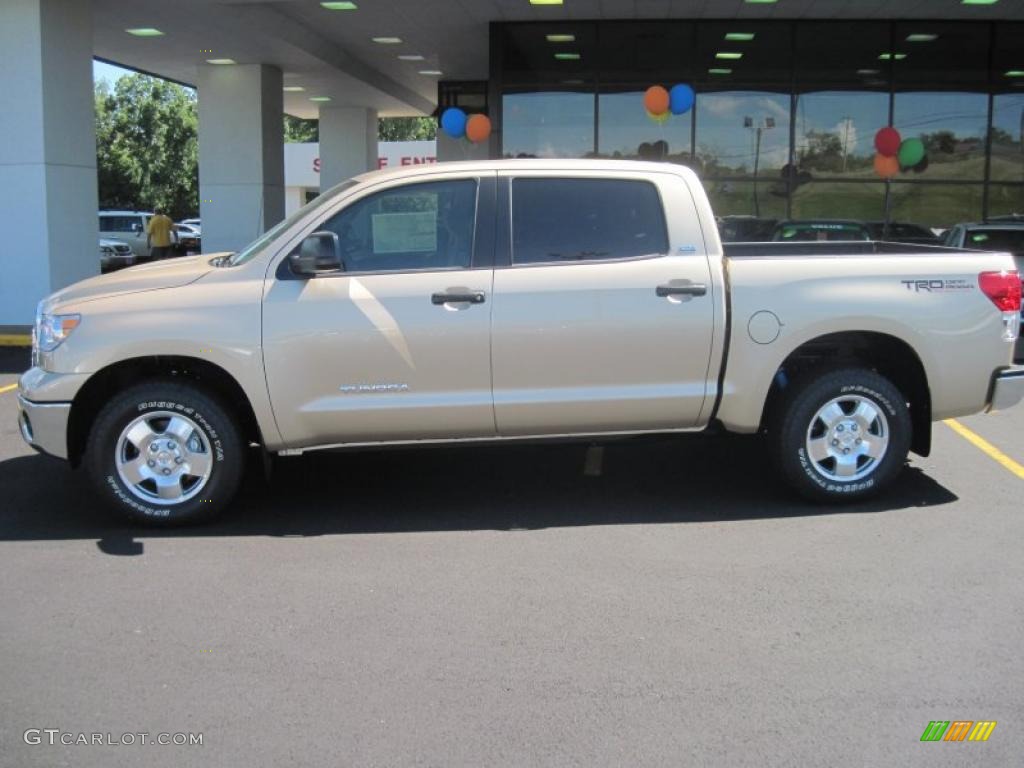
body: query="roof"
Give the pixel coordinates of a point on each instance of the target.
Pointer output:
(531, 164)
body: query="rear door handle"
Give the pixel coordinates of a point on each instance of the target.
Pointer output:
(471, 297)
(688, 289)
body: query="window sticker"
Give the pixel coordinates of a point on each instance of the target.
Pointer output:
(404, 232)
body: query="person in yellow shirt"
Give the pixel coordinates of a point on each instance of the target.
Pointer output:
(158, 235)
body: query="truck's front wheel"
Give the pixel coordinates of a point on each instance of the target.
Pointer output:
(842, 435)
(165, 453)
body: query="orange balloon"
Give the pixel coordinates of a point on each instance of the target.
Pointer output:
(887, 167)
(656, 100)
(478, 128)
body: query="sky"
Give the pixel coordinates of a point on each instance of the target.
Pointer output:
(110, 72)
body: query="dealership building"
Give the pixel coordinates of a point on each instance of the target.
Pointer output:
(789, 97)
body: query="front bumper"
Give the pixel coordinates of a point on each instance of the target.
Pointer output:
(44, 426)
(1007, 389)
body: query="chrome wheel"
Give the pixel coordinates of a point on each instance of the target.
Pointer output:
(847, 438)
(163, 457)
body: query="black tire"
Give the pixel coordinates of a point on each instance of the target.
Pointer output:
(217, 437)
(795, 422)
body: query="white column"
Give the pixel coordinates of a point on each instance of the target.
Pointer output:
(48, 197)
(241, 153)
(348, 144)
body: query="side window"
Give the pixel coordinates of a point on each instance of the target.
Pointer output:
(585, 220)
(413, 227)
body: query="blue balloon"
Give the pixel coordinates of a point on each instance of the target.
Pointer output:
(453, 122)
(680, 99)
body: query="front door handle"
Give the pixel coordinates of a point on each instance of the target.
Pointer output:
(470, 297)
(685, 289)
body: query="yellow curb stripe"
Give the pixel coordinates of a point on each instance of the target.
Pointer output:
(8, 388)
(986, 447)
(15, 340)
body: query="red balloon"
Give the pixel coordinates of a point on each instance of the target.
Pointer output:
(887, 141)
(656, 100)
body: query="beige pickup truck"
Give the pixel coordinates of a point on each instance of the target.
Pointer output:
(496, 301)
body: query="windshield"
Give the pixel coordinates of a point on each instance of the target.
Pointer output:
(1011, 240)
(257, 245)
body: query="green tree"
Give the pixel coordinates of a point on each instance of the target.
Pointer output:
(147, 145)
(300, 131)
(407, 129)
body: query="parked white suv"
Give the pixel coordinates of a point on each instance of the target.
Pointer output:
(128, 227)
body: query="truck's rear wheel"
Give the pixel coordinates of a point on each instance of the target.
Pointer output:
(165, 453)
(842, 434)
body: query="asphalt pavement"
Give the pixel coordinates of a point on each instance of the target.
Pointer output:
(664, 603)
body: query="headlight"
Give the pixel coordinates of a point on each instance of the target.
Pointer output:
(106, 250)
(51, 330)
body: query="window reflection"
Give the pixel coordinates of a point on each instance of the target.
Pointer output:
(936, 205)
(839, 200)
(625, 130)
(548, 124)
(1008, 138)
(835, 132)
(1005, 200)
(737, 198)
(743, 133)
(952, 126)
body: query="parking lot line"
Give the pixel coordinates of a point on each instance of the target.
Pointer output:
(986, 447)
(8, 388)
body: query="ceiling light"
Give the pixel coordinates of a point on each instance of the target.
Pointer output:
(728, 55)
(411, 57)
(431, 72)
(891, 56)
(760, 2)
(545, 2)
(739, 37)
(561, 38)
(868, 72)
(144, 32)
(720, 71)
(319, 98)
(1015, 73)
(340, 5)
(387, 40)
(565, 56)
(920, 37)
(220, 61)
(293, 88)
(978, 2)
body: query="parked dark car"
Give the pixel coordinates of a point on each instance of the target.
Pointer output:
(745, 229)
(902, 232)
(805, 230)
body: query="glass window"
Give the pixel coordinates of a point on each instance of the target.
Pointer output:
(842, 55)
(413, 227)
(952, 126)
(585, 219)
(1008, 137)
(834, 199)
(548, 124)
(763, 200)
(820, 231)
(995, 239)
(935, 205)
(835, 132)
(120, 223)
(938, 55)
(1005, 200)
(626, 131)
(742, 134)
(741, 54)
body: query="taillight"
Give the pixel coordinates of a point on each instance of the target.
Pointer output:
(1003, 288)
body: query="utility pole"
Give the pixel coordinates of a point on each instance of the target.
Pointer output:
(846, 141)
(761, 126)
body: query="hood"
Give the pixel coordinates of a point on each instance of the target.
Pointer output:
(107, 242)
(169, 273)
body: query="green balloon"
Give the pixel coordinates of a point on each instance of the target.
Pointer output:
(911, 153)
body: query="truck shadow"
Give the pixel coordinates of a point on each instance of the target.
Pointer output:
(665, 481)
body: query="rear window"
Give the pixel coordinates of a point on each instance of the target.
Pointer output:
(1011, 240)
(820, 232)
(572, 220)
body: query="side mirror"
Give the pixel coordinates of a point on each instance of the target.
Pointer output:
(319, 252)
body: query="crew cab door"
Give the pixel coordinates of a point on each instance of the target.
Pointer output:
(396, 345)
(603, 314)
